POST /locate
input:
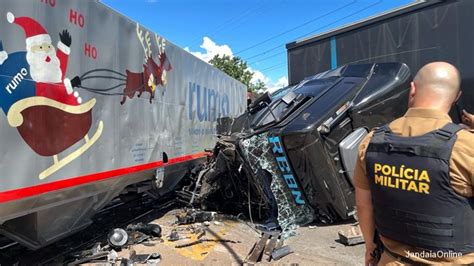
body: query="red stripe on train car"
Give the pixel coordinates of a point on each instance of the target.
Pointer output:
(80, 180)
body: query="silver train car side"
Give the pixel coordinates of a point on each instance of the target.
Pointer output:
(93, 102)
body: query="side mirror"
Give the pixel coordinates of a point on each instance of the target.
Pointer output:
(260, 103)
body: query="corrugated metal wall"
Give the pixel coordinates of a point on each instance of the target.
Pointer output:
(440, 32)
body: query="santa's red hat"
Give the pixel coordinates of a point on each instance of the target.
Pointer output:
(35, 34)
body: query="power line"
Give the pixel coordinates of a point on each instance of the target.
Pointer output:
(322, 27)
(266, 58)
(273, 67)
(296, 27)
(244, 19)
(265, 52)
(230, 21)
(355, 13)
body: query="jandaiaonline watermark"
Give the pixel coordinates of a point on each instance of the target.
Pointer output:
(434, 255)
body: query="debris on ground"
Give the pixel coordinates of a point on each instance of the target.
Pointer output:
(148, 229)
(117, 238)
(281, 252)
(231, 183)
(92, 258)
(351, 236)
(112, 257)
(173, 236)
(152, 258)
(224, 236)
(271, 226)
(194, 216)
(264, 248)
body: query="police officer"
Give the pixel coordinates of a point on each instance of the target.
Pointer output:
(414, 179)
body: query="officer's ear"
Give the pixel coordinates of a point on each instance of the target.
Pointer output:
(412, 89)
(457, 97)
(412, 93)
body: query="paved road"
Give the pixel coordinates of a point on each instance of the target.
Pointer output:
(312, 246)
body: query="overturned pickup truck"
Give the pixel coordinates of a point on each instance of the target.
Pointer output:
(290, 158)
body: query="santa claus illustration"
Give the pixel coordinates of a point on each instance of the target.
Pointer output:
(43, 63)
(39, 101)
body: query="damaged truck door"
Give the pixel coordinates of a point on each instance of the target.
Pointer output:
(285, 169)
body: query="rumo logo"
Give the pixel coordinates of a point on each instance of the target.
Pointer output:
(286, 170)
(16, 80)
(207, 103)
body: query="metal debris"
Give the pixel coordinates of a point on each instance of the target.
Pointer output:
(194, 216)
(267, 252)
(271, 226)
(263, 248)
(143, 258)
(281, 252)
(100, 255)
(117, 238)
(201, 234)
(112, 256)
(173, 236)
(256, 251)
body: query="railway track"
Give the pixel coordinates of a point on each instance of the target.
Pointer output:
(117, 214)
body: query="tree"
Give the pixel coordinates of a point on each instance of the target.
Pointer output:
(257, 87)
(237, 68)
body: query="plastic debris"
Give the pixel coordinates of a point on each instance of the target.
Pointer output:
(148, 229)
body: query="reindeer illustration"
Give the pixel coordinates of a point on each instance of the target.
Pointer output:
(153, 74)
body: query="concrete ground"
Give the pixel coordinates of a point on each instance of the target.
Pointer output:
(312, 245)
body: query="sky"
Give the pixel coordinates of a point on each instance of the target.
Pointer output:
(255, 30)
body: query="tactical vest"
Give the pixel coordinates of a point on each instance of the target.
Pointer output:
(413, 200)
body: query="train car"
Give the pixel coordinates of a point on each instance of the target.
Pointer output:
(94, 104)
(415, 34)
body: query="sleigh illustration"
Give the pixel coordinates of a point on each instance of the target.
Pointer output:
(50, 127)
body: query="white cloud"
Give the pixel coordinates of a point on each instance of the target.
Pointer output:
(211, 49)
(269, 83)
(281, 82)
(257, 75)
